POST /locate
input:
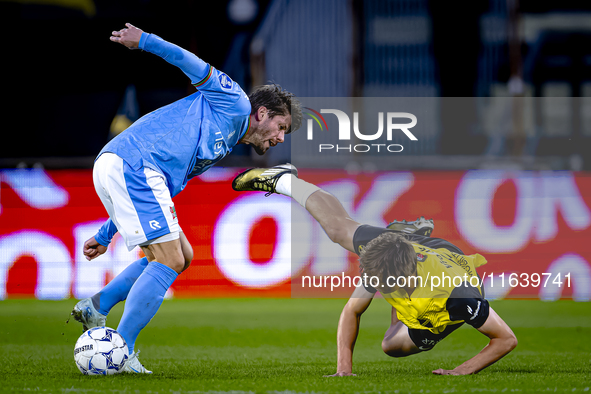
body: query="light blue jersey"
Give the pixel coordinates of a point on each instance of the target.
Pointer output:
(185, 138)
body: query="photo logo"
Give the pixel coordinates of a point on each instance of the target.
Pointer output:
(344, 131)
(314, 115)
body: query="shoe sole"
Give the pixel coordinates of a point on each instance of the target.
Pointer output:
(77, 315)
(133, 371)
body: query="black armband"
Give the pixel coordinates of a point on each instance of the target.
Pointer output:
(465, 303)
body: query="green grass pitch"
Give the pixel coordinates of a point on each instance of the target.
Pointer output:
(287, 345)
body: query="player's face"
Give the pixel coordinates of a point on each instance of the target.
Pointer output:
(270, 132)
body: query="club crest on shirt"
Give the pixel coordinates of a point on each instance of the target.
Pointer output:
(173, 211)
(225, 81)
(421, 257)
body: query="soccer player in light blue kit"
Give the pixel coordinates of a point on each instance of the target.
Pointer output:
(138, 172)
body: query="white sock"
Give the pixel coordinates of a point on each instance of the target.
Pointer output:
(289, 185)
(283, 185)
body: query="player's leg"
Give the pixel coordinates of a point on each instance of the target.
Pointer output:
(166, 261)
(142, 209)
(147, 217)
(187, 250)
(107, 175)
(118, 288)
(94, 310)
(332, 217)
(323, 206)
(397, 341)
(327, 211)
(401, 341)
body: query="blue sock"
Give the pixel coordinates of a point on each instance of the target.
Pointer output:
(117, 289)
(145, 297)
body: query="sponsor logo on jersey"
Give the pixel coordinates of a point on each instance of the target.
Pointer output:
(155, 224)
(225, 81)
(218, 144)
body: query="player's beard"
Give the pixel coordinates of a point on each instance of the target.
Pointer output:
(258, 150)
(259, 146)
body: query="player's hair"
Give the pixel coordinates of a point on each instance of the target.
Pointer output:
(278, 101)
(388, 255)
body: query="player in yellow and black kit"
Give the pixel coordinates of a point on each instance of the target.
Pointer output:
(433, 309)
(401, 265)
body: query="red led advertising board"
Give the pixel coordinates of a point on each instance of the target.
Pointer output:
(533, 228)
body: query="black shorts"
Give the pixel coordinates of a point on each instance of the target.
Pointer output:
(366, 233)
(465, 303)
(426, 340)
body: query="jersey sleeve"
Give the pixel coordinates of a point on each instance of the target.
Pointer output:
(217, 87)
(223, 93)
(370, 289)
(465, 303)
(106, 233)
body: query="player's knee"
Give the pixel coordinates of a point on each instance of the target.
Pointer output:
(398, 347)
(186, 249)
(392, 351)
(336, 234)
(175, 262)
(512, 342)
(385, 347)
(188, 256)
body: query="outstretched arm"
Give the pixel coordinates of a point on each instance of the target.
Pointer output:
(129, 36)
(348, 330)
(133, 38)
(502, 341)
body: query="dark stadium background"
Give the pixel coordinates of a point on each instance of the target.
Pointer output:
(66, 80)
(63, 80)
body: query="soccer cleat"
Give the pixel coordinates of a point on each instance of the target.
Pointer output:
(85, 313)
(421, 226)
(262, 179)
(133, 365)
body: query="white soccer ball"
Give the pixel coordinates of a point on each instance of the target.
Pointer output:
(100, 351)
